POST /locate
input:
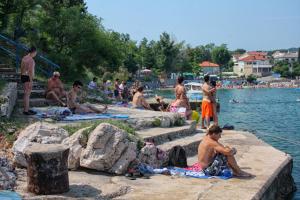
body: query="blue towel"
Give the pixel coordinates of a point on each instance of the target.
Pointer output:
(176, 171)
(77, 117)
(9, 195)
(64, 114)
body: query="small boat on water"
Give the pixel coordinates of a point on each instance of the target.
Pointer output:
(194, 90)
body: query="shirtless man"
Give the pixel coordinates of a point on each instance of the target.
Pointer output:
(55, 89)
(75, 107)
(207, 106)
(27, 74)
(181, 98)
(214, 157)
(139, 100)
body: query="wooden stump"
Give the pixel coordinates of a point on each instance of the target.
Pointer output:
(47, 170)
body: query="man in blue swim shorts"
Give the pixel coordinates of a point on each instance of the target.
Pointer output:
(215, 157)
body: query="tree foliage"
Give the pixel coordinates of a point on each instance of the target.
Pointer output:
(80, 44)
(286, 69)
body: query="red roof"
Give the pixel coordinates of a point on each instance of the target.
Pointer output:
(257, 53)
(208, 64)
(252, 58)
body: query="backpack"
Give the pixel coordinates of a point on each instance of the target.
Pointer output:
(177, 157)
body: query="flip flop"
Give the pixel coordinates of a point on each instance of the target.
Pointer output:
(130, 176)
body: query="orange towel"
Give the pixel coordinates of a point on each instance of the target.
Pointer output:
(207, 109)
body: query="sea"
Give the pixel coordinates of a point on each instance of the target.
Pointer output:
(272, 114)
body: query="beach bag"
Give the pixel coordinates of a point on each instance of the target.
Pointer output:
(177, 157)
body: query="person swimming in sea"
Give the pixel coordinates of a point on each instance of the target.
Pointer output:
(234, 101)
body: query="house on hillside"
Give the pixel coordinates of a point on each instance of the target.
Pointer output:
(253, 62)
(285, 56)
(210, 68)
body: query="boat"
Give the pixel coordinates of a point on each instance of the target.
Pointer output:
(194, 91)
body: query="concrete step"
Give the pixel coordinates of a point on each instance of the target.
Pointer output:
(4, 66)
(35, 86)
(9, 74)
(37, 102)
(35, 93)
(11, 79)
(161, 135)
(7, 69)
(189, 143)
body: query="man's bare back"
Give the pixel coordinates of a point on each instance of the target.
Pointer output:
(210, 149)
(139, 101)
(206, 151)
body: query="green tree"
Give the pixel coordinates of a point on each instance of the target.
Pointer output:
(221, 56)
(251, 78)
(239, 51)
(169, 50)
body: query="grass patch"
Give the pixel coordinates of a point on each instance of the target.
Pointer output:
(156, 122)
(132, 136)
(179, 122)
(10, 128)
(92, 125)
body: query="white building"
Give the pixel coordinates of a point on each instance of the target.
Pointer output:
(285, 56)
(255, 63)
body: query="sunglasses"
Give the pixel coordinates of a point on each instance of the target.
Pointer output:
(79, 87)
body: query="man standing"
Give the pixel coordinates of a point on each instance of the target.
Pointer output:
(27, 74)
(55, 89)
(207, 107)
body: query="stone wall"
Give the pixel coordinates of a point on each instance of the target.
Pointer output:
(281, 186)
(8, 99)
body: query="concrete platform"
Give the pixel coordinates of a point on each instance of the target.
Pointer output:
(161, 135)
(271, 167)
(189, 143)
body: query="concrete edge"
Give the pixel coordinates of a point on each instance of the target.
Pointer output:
(261, 194)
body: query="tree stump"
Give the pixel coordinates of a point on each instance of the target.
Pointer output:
(47, 170)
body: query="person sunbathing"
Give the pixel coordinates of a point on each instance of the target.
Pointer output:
(55, 90)
(214, 157)
(77, 108)
(139, 101)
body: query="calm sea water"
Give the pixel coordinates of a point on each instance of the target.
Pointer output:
(271, 114)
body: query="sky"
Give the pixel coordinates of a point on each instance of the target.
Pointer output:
(247, 24)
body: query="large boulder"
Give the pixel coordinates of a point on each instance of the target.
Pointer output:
(108, 149)
(39, 132)
(76, 143)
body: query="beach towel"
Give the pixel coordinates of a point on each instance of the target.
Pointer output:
(77, 117)
(194, 171)
(191, 172)
(53, 112)
(9, 195)
(64, 114)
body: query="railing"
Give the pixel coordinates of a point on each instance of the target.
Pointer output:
(16, 51)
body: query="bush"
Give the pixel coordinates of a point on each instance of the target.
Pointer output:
(251, 78)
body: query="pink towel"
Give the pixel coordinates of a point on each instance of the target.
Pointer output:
(195, 167)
